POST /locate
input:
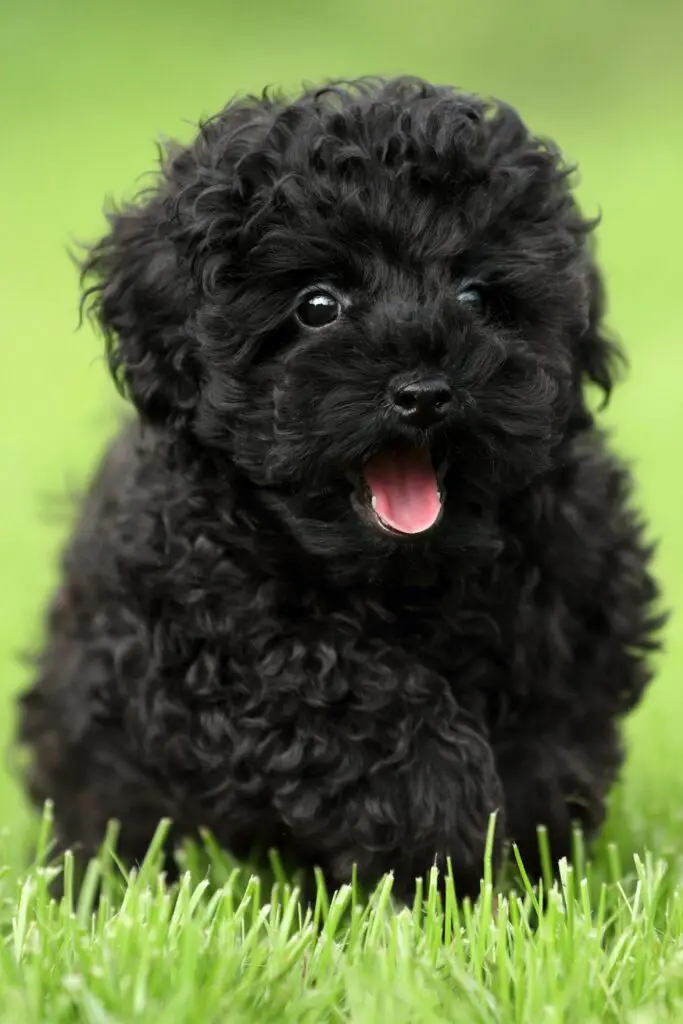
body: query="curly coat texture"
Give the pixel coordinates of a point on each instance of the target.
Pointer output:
(232, 644)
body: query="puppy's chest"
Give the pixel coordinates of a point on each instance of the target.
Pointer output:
(326, 653)
(464, 646)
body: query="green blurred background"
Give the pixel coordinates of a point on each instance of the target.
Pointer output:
(86, 88)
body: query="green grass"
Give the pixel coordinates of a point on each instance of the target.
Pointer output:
(595, 950)
(87, 86)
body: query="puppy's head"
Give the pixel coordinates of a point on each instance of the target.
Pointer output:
(377, 303)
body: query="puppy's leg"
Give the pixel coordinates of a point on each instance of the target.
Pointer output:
(558, 778)
(399, 801)
(582, 637)
(434, 807)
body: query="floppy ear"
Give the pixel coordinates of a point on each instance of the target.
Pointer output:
(139, 290)
(599, 358)
(163, 254)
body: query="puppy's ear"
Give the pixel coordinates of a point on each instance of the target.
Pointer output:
(138, 288)
(599, 359)
(164, 255)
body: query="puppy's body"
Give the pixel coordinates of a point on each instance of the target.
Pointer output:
(303, 607)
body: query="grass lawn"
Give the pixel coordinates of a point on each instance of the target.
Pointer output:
(240, 952)
(86, 88)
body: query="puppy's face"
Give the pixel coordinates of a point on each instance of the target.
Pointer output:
(376, 303)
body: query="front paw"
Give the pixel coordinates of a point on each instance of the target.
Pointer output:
(434, 806)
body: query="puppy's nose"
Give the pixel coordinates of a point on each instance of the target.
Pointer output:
(422, 402)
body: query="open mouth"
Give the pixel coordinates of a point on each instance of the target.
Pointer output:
(400, 490)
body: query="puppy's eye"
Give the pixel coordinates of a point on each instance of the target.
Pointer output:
(318, 309)
(471, 296)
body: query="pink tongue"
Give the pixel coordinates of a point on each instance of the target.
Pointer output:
(404, 489)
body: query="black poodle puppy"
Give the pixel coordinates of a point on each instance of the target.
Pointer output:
(362, 571)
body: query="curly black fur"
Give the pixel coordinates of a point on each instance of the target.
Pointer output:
(233, 645)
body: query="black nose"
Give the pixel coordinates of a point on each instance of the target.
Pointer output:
(422, 402)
